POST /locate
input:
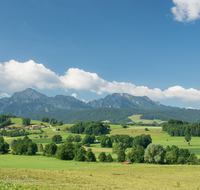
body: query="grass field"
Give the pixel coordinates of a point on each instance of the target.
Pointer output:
(57, 174)
(136, 119)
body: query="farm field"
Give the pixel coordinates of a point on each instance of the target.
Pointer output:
(58, 174)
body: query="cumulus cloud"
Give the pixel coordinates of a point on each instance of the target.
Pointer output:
(186, 10)
(15, 76)
(18, 76)
(74, 95)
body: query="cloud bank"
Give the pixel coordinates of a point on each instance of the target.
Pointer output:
(16, 76)
(186, 10)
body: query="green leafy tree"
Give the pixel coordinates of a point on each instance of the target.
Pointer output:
(45, 119)
(124, 126)
(188, 137)
(172, 154)
(105, 141)
(121, 156)
(12, 142)
(70, 138)
(50, 149)
(117, 147)
(66, 151)
(77, 138)
(109, 158)
(136, 155)
(90, 156)
(26, 121)
(88, 139)
(102, 157)
(4, 146)
(53, 121)
(142, 140)
(192, 160)
(154, 153)
(57, 139)
(81, 154)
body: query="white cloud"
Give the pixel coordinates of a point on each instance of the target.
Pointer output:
(186, 10)
(15, 76)
(5, 95)
(186, 95)
(74, 95)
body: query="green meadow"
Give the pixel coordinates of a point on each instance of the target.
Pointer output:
(51, 173)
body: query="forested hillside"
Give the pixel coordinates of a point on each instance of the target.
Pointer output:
(114, 115)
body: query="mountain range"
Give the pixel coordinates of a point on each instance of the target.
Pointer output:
(30, 100)
(116, 108)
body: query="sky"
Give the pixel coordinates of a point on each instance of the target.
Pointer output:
(91, 48)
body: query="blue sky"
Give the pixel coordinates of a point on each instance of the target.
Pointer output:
(89, 49)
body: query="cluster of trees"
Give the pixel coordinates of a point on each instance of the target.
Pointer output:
(90, 127)
(4, 146)
(23, 146)
(126, 140)
(69, 151)
(175, 127)
(174, 155)
(14, 133)
(4, 120)
(155, 153)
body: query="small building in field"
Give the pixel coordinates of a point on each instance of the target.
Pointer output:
(6, 128)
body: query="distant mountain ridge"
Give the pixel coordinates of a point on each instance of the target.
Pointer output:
(30, 100)
(124, 100)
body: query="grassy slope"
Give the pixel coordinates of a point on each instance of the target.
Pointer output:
(59, 174)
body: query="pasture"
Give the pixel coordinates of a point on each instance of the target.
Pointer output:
(51, 173)
(136, 119)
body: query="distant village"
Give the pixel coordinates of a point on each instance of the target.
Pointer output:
(32, 127)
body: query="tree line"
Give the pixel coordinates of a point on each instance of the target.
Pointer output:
(176, 127)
